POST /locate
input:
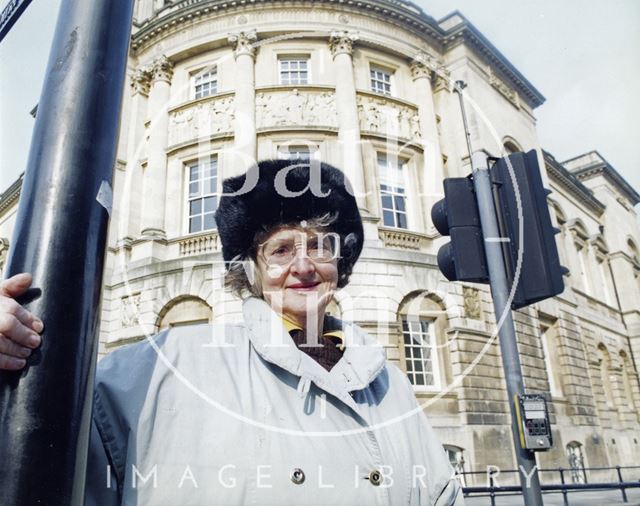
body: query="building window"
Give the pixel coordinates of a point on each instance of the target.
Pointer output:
(203, 198)
(392, 193)
(551, 349)
(294, 70)
(576, 462)
(626, 381)
(455, 455)
(205, 83)
(605, 375)
(420, 353)
(300, 152)
(380, 80)
(184, 311)
(582, 265)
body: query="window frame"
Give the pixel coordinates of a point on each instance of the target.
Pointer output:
(409, 357)
(283, 149)
(194, 76)
(393, 192)
(373, 68)
(294, 57)
(188, 198)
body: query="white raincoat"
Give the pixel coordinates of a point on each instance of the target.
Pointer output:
(236, 414)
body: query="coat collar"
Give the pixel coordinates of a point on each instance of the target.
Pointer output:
(363, 358)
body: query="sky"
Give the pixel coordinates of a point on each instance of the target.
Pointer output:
(582, 55)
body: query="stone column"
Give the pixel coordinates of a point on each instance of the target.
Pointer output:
(155, 174)
(341, 45)
(431, 173)
(129, 211)
(244, 149)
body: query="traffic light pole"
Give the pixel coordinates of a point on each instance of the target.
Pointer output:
(60, 237)
(500, 292)
(502, 295)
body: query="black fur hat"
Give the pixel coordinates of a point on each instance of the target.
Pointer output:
(285, 192)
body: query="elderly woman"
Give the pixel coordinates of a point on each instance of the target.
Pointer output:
(289, 407)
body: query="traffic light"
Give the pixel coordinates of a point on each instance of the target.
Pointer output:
(462, 259)
(541, 275)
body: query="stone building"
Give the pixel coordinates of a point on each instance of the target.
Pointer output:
(368, 86)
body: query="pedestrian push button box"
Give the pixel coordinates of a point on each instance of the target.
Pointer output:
(533, 422)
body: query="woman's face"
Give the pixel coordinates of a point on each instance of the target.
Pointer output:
(298, 272)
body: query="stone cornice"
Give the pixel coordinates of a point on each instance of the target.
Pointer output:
(399, 13)
(571, 184)
(171, 17)
(11, 195)
(464, 31)
(604, 168)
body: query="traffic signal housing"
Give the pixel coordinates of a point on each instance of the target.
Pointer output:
(541, 274)
(462, 259)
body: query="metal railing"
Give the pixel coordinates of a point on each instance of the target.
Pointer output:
(493, 489)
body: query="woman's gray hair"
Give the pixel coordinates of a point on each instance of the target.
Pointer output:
(242, 277)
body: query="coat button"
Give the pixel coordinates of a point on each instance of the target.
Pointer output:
(297, 476)
(375, 478)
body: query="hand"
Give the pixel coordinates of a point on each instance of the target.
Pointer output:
(19, 328)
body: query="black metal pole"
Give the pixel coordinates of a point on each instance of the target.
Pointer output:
(60, 237)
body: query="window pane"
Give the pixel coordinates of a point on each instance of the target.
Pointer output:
(210, 204)
(195, 207)
(195, 224)
(418, 366)
(402, 221)
(209, 222)
(209, 169)
(399, 203)
(194, 189)
(387, 219)
(419, 380)
(210, 185)
(193, 172)
(387, 202)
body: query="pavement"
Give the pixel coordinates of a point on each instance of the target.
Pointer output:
(574, 498)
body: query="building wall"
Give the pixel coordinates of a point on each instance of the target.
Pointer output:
(158, 274)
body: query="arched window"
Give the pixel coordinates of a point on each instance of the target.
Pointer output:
(511, 145)
(576, 462)
(561, 221)
(633, 250)
(551, 347)
(635, 257)
(186, 310)
(423, 321)
(605, 374)
(455, 455)
(580, 241)
(626, 380)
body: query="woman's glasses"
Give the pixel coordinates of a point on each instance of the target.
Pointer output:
(320, 247)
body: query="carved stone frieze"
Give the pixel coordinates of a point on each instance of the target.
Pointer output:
(201, 120)
(162, 69)
(472, 304)
(391, 119)
(296, 107)
(341, 41)
(130, 310)
(508, 92)
(243, 43)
